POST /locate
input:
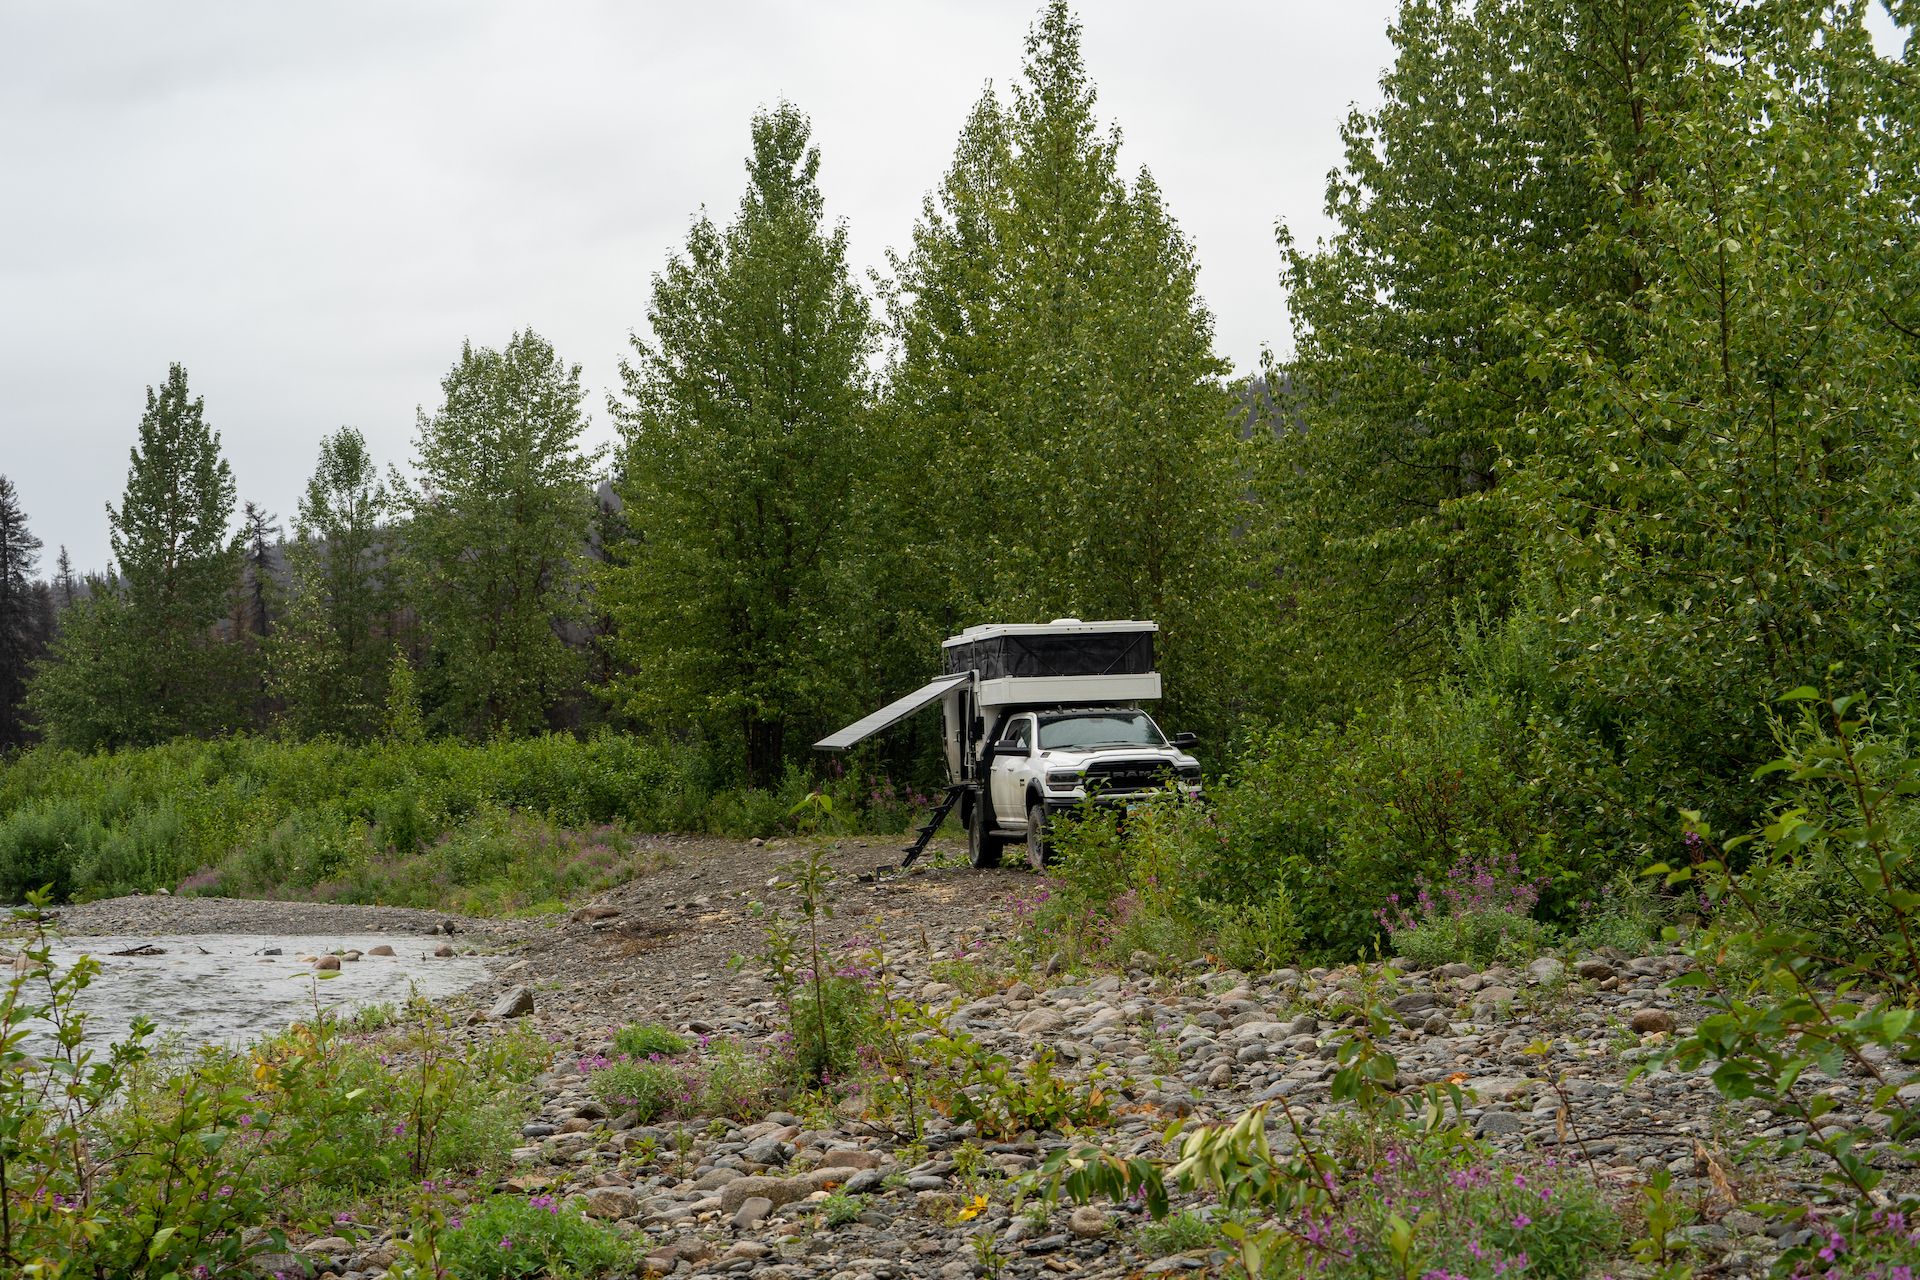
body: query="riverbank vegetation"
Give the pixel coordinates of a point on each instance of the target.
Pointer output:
(144, 1159)
(511, 825)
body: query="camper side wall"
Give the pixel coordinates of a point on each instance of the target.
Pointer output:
(1066, 691)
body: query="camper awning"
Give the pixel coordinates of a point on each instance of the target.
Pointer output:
(861, 730)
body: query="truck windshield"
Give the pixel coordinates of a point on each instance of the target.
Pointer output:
(1085, 730)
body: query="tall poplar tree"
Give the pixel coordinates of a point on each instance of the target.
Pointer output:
(1054, 381)
(1471, 191)
(1722, 491)
(1615, 340)
(744, 451)
(146, 662)
(329, 656)
(496, 541)
(21, 610)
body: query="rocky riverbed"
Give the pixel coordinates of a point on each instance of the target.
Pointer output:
(1542, 1054)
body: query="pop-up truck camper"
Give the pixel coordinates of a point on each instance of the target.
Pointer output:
(1038, 719)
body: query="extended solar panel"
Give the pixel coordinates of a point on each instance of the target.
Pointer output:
(860, 730)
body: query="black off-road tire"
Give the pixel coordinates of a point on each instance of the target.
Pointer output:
(983, 846)
(1038, 850)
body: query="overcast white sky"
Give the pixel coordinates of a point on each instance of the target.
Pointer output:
(310, 206)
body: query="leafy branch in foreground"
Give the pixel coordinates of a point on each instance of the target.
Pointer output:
(1790, 1013)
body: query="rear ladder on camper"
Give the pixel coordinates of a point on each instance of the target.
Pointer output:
(923, 834)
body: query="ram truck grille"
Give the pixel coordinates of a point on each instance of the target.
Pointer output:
(1121, 777)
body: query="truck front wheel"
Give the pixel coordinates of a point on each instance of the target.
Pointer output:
(1037, 848)
(983, 847)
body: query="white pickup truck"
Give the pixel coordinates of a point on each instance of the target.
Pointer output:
(1040, 718)
(1049, 759)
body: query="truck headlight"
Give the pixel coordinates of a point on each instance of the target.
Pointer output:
(1062, 781)
(1190, 773)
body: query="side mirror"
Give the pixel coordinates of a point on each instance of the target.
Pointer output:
(1009, 747)
(1186, 741)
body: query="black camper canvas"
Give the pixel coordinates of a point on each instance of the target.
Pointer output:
(1090, 653)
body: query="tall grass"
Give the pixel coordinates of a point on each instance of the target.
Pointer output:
(516, 825)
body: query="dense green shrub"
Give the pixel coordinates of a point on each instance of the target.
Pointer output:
(722, 1078)
(1480, 911)
(1257, 936)
(507, 1237)
(1623, 915)
(1301, 846)
(1406, 789)
(648, 1087)
(831, 1020)
(648, 1040)
(1123, 883)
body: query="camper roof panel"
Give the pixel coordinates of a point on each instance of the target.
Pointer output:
(1061, 626)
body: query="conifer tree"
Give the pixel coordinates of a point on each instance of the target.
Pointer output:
(145, 662)
(741, 475)
(64, 585)
(328, 658)
(259, 531)
(496, 540)
(22, 624)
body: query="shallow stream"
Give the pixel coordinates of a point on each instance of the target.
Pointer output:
(222, 988)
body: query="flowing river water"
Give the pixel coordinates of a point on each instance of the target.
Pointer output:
(224, 988)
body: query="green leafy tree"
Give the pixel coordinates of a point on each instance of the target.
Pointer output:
(1615, 342)
(1722, 480)
(21, 613)
(403, 721)
(742, 472)
(146, 661)
(496, 541)
(329, 654)
(1511, 139)
(1054, 397)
